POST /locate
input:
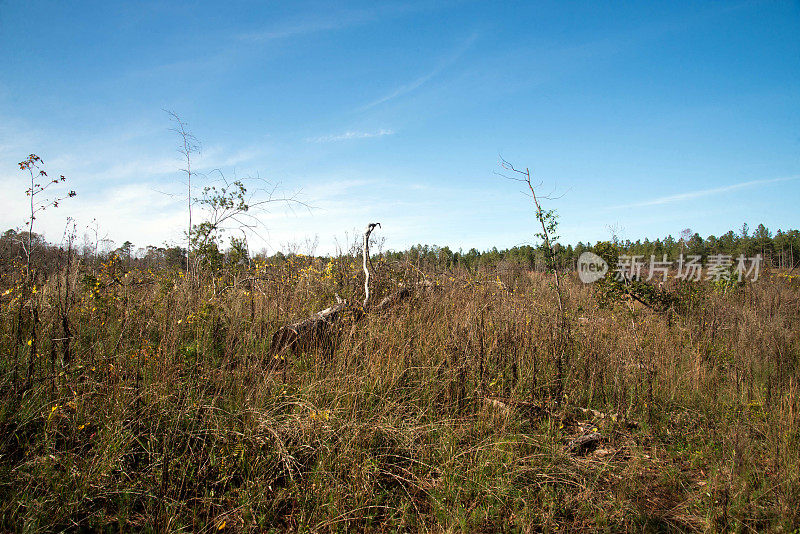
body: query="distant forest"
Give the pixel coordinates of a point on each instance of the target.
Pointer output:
(781, 249)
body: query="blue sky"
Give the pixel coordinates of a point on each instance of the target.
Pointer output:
(649, 117)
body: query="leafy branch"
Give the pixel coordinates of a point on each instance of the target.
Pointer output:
(230, 205)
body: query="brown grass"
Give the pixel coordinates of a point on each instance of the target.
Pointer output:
(439, 415)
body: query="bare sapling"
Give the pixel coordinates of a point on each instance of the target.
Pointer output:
(66, 297)
(549, 222)
(225, 205)
(42, 196)
(188, 146)
(547, 219)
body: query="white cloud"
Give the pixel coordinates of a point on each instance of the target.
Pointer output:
(300, 29)
(135, 212)
(336, 20)
(448, 60)
(691, 195)
(346, 136)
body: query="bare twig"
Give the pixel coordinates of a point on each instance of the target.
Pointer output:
(189, 145)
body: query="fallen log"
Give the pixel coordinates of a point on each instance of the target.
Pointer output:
(313, 333)
(391, 300)
(585, 444)
(317, 332)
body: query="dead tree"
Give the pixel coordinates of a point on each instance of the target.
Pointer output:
(317, 333)
(367, 259)
(312, 334)
(188, 146)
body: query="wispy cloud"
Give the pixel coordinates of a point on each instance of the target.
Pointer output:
(220, 157)
(330, 22)
(343, 19)
(448, 60)
(403, 89)
(691, 195)
(302, 29)
(346, 136)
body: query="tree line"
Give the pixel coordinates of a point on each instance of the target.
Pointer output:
(781, 249)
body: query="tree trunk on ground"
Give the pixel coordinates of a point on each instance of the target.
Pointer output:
(317, 332)
(313, 333)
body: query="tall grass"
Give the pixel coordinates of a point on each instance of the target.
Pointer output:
(440, 415)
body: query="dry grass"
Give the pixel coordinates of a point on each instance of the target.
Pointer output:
(436, 416)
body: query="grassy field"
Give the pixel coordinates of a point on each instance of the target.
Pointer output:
(141, 399)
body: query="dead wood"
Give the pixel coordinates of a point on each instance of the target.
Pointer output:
(313, 333)
(318, 331)
(393, 299)
(584, 444)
